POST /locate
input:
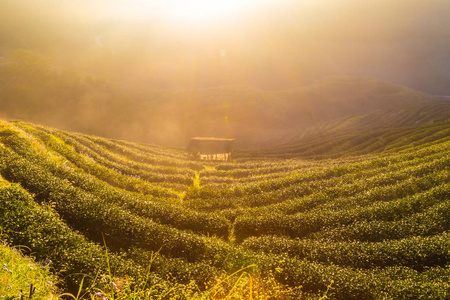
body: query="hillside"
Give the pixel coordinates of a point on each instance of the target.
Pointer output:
(367, 133)
(258, 118)
(373, 224)
(34, 90)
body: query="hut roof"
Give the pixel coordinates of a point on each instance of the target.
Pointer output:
(209, 145)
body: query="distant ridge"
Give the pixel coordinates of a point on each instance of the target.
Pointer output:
(257, 118)
(351, 140)
(261, 118)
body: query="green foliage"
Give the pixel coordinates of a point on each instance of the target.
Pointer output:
(20, 276)
(375, 226)
(40, 229)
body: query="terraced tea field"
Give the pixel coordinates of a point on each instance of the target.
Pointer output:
(369, 214)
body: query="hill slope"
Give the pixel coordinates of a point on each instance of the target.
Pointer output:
(377, 225)
(373, 132)
(258, 117)
(32, 90)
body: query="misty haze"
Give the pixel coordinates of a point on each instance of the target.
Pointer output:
(239, 149)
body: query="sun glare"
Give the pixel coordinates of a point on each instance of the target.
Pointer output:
(196, 10)
(192, 11)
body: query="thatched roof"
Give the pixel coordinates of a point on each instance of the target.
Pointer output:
(209, 145)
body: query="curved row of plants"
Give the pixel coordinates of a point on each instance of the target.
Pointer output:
(377, 226)
(399, 217)
(125, 166)
(48, 179)
(356, 194)
(341, 180)
(416, 252)
(89, 166)
(353, 142)
(153, 155)
(38, 226)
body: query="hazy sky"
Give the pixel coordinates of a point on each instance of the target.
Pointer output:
(164, 71)
(268, 44)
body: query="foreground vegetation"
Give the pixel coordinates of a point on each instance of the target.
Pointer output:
(22, 277)
(136, 221)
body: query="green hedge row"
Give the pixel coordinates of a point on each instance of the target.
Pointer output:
(363, 189)
(433, 220)
(355, 143)
(94, 216)
(153, 155)
(336, 180)
(127, 167)
(96, 144)
(414, 252)
(304, 224)
(350, 283)
(108, 175)
(241, 172)
(145, 206)
(38, 227)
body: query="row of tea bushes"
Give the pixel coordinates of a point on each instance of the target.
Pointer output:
(245, 172)
(108, 175)
(348, 191)
(415, 252)
(355, 142)
(344, 198)
(39, 228)
(362, 175)
(375, 225)
(153, 155)
(357, 194)
(431, 221)
(94, 216)
(140, 205)
(127, 167)
(396, 282)
(304, 224)
(122, 158)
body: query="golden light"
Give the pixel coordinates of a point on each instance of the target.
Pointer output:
(186, 11)
(200, 10)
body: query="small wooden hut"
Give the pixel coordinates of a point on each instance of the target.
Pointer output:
(210, 148)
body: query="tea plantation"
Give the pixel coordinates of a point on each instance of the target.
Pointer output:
(366, 219)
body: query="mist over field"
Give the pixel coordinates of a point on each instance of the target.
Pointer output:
(125, 69)
(319, 167)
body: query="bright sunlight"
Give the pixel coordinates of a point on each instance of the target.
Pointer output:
(191, 11)
(201, 10)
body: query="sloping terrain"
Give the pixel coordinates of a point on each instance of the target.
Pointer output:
(375, 225)
(367, 133)
(35, 91)
(258, 118)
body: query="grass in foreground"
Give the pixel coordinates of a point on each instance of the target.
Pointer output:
(21, 277)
